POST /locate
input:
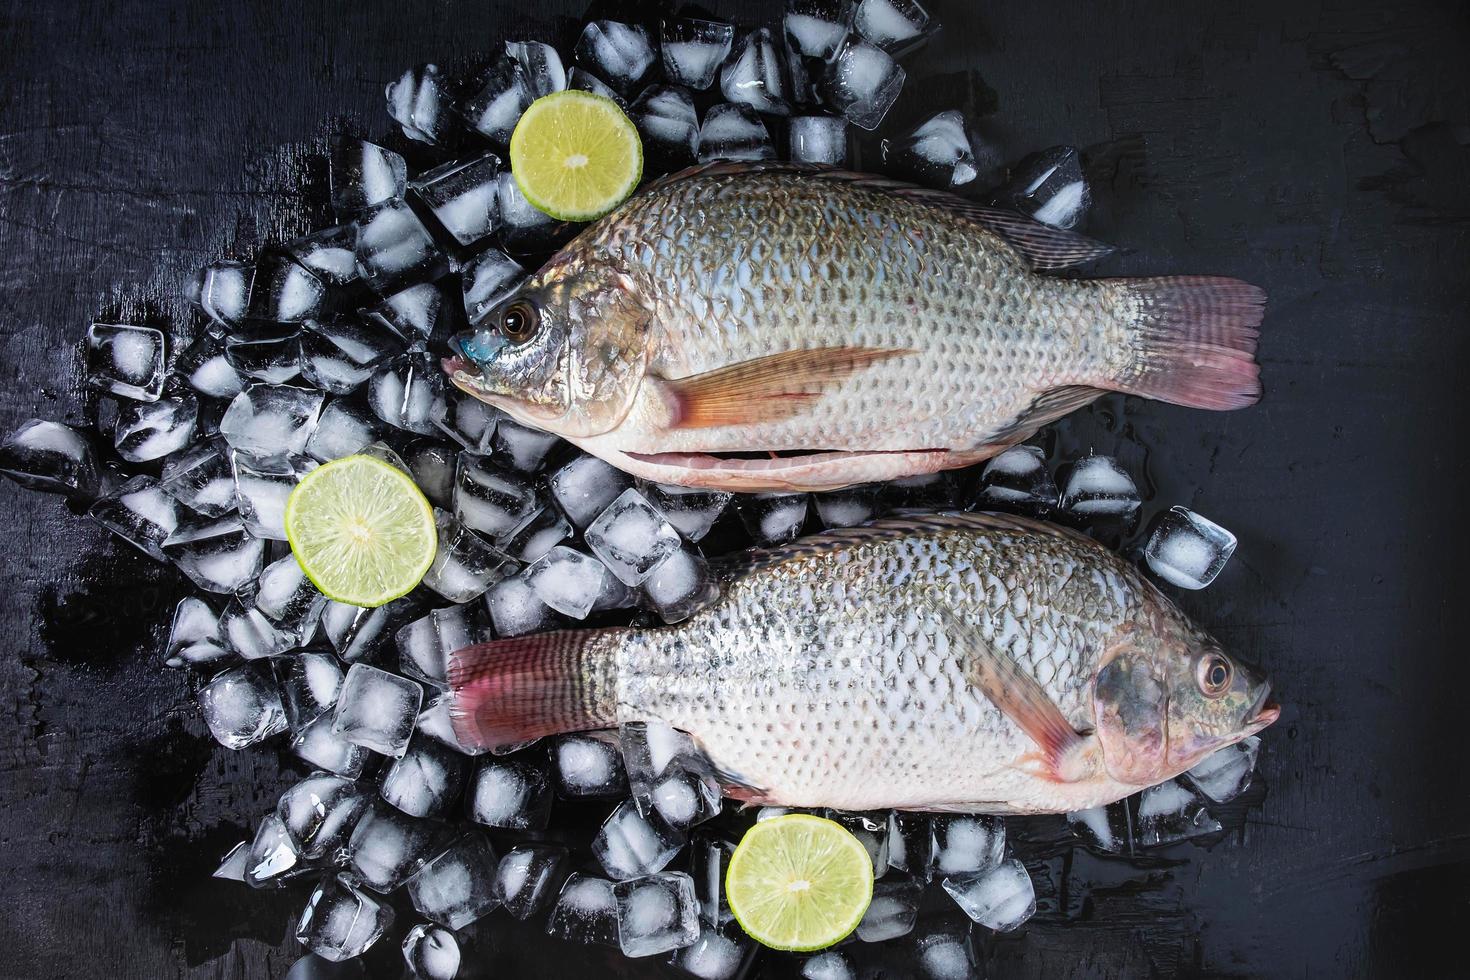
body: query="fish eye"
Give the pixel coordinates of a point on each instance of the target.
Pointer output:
(519, 321)
(1213, 674)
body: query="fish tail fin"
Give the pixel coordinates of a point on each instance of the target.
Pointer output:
(1195, 341)
(527, 687)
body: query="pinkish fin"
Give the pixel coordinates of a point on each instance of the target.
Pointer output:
(1195, 341)
(527, 687)
(767, 389)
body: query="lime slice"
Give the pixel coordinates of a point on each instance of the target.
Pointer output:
(575, 155)
(361, 530)
(799, 882)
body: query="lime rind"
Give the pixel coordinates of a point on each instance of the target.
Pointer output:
(573, 123)
(799, 882)
(361, 530)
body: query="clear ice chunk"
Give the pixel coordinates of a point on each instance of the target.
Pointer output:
(432, 466)
(680, 586)
(223, 290)
(493, 501)
(527, 878)
(524, 228)
(268, 419)
(424, 645)
(709, 858)
(945, 952)
(911, 843)
(631, 537)
(194, 639)
(1171, 812)
(126, 360)
(831, 965)
(1050, 187)
(471, 422)
(462, 195)
(967, 843)
(318, 746)
(393, 246)
(284, 291)
(496, 105)
(693, 50)
(202, 478)
(248, 633)
(513, 792)
(691, 510)
(377, 710)
(818, 139)
(540, 64)
(586, 911)
(683, 799)
(1098, 487)
(718, 953)
(457, 886)
(516, 609)
(938, 152)
(1225, 773)
(584, 487)
(521, 447)
(734, 132)
(339, 355)
(816, 28)
(388, 847)
(1018, 478)
(150, 430)
(772, 518)
(631, 845)
(330, 254)
(465, 565)
(217, 554)
(431, 952)
(894, 25)
(753, 75)
(581, 80)
(206, 369)
(343, 429)
(1001, 898)
(271, 359)
(364, 175)
(418, 103)
(567, 580)
(666, 117)
(656, 913)
(232, 865)
(357, 634)
(340, 922)
(426, 781)
(892, 912)
(310, 684)
(588, 767)
(320, 811)
(1187, 550)
(242, 706)
(262, 484)
(51, 457)
(849, 507)
(140, 513)
(870, 830)
(409, 394)
(861, 82)
(413, 312)
(488, 281)
(617, 53)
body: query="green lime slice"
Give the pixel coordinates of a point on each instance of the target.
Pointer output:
(361, 530)
(799, 882)
(575, 155)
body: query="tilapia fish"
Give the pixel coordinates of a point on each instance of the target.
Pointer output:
(778, 327)
(950, 662)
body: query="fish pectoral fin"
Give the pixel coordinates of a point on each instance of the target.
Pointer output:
(766, 389)
(1062, 750)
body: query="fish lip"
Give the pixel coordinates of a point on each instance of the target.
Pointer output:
(455, 365)
(1264, 711)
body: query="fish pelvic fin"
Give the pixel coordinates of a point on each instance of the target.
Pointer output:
(766, 389)
(1195, 341)
(527, 687)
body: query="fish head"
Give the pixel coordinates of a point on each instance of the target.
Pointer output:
(1166, 698)
(566, 353)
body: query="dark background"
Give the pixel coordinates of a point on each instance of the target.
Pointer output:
(1316, 148)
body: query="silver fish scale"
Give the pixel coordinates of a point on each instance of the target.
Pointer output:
(741, 267)
(830, 678)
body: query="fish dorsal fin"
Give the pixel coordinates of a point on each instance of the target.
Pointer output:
(1045, 249)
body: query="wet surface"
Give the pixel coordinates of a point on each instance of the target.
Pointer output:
(1317, 150)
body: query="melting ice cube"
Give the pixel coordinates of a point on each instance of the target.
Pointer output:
(818, 139)
(540, 64)
(1098, 487)
(431, 952)
(1001, 898)
(892, 912)
(341, 922)
(511, 792)
(194, 637)
(207, 370)
(656, 913)
(51, 457)
(516, 609)
(409, 394)
(754, 75)
(387, 847)
(463, 195)
(344, 428)
(340, 355)
(488, 281)
(242, 706)
(1225, 773)
(631, 537)
(618, 53)
(417, 102)
(967, 843)
(894, 25)
(147, 431)
(393, 246)
(630, 844)
(1187, 550)
(363, 175)
(585, 487)
(1050, 187)
(218, 554)
(125, 360)
(426, 781)
(938, 151)
(377, 710)
(1171, 812)
(588, 767)
(457, 886)
(495, 108)
(862, 82)
(266, 419)
(527, 878)
(693, 50)
(1018, 478)
(140, 513)
(320, 811)
(665, 116)
(734, 132)
(586, 911)
(772, 518)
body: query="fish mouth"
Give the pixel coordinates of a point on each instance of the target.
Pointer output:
(1264, 712)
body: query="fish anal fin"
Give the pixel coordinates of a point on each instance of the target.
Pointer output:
(766, 389)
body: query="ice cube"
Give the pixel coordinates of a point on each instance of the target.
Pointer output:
(831, 965)
(377, 709)
(202, 478)
(516, 609)
(614, 595)
(1187, 550)
(340, 355)
(967, 843)
(567, 580)
(262, 484)
(457, 886)
(465, 565)
(418, 103)
(693, 50)
(432, 466)
(1098, 487)
(432, 953)
(1000, 898)
(718, 953)
(471, 422)
(849, 507)
(52, 457)
(1171, 812)
(925, 492)
(462, 196)
(511, 792)
(892, 912)
(329, 254)
(540, 64)
(387, 847)
(267, 419)
(363, 175)
(284, 291)
(424, 645)
(435, 722)
(1225, 773)
(206, 369)
(861, 82)
(413, 313)
(734, 132)
(344, 428)
(273, 359)
(248, 633)
(125, 360)
(488, 280)
(426, 781)
(310, 684)
(680, 586)
(340, 921)
(1018, 478)
(194, 638)
(140, 513)
(149, 430)
(818, 139)
(318, 746)
(945, 952)
(709, 857)
(216, 553)
(490, 500)
(690, 510)
(586, 911)
(527, 878)
(1106, 828)
(656, 913)
(894, 25)
(232, 865)
(938, 152)
(670, 126)
(495, 107)
(581, 80)
(870, 830)
(911, 844)
(242, 706)
(631, 537)
(753, 75)
(393, 246)
(683, 799)
(223, 290)
(631, 844)
(320, 811)
(1050, 187)
(524, 228)
(521, 447)
(815, 28)
(772, 518)
(409, 394)
(588, 767)
(585, 486)
(618, 53)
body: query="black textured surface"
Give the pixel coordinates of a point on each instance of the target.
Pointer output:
(1318, 149)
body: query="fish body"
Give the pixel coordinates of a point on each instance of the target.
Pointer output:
(858, 328)
(951, 662)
